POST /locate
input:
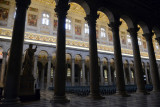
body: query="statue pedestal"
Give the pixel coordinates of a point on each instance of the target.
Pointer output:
(26, 91)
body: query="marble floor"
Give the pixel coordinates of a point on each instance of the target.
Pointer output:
(136, 100)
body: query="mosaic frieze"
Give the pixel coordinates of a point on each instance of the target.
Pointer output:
(51, 39)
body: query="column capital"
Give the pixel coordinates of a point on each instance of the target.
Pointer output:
(61, 9)
(148, 36)
(133, 31)
(49, 58)
(23, 3)
(115, 25)
(91, 19)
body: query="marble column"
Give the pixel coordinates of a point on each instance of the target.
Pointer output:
(125, 76)
(49, 72)
(109, 74)
(130, 74)
(83, 73)
(147, 79)
(35, 70)
(101, 73)
(153, 63)
(42, 76)
(35, 66)
(93, 55)
(73, 72)
(3, 69)
(137, 61)
(15, 60)
(120, 83)
(60, 72)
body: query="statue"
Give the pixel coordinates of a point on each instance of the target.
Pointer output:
(27, 89)
(29, 60)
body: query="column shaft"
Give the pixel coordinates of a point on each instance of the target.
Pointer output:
(130, 74)
(73, 72)
(60, 72)
(125, 76)
(120, 83)
(83, 73)
(35, 67)
(42, 77)
(147, 79)
(49, 72)
(137, 61)
(153, 63)
(93, 55)
(101, 73)
(109, 74)
(15, 59)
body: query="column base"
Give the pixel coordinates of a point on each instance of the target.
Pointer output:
(96, 97)
(143, 92)
(10, 102)
(59, 99)
(156, 90)
(122, 93)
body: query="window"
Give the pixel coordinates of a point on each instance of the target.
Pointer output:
(103, 32)
(68, 24)
(15, 13)
(86, 29)
(156, 44)
(45, 19)
(139, 41)
(68, 72)
(129, 39)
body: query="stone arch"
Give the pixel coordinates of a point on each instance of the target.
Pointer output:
(83, 4)
(68, 58)
(108, 13)
(43, 55)
(144, 27)
(156, 31)
(128, 20)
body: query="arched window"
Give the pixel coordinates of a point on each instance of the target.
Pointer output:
(45, 19)
(139, 41)
(103, 32)
(68, 24)
(86, 29)
(129, 39)
(15, 13)
(156, 45)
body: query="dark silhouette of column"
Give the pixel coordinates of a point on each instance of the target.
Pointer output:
(60, 73)
(137, 61)
(94, 73)
(120, 83)
(15, 60)
(153, 63)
